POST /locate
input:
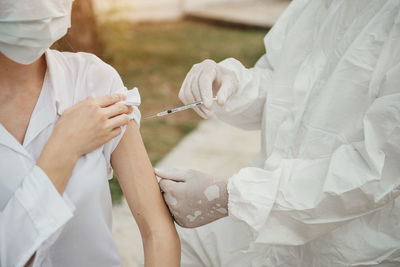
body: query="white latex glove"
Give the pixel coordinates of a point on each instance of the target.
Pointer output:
(193, 198)
(205, 80)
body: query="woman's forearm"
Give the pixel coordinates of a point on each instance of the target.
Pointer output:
(57, 163)
(139, 184)
(161, 249)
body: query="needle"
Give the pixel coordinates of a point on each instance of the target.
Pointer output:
(174, 110)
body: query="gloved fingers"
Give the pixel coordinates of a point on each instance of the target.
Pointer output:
(207, 113)
(193, 95)
(171, 202)
(226, 91)
(167, 186)
(205, 92)
(205, 84)
(179, 221)
(190, 91)
(186, 88)
(177, 175)
(200, 113)
(203, 111)
(222, 95)
(188, 95)
(193, 219)
(172, 211)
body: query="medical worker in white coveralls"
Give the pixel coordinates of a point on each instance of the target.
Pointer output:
(324, 189)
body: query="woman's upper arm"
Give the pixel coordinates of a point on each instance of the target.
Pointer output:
(139, 184)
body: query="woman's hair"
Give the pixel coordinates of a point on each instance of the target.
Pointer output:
(84, 33)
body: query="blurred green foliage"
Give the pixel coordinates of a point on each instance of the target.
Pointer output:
(156, 57)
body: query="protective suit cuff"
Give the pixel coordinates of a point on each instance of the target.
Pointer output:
(48, 210)
(243, 77)
(244, 108)
(251, 196)
(232, 64)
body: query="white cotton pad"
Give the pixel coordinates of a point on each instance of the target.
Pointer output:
(132, 98)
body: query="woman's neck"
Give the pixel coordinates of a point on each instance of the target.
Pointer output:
(15, 76)
(20, 87)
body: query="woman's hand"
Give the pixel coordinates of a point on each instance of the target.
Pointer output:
(81, 129)
(92, 123)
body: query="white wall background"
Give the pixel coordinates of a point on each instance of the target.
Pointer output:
(139, 10)
(192, 4)
(151, 10)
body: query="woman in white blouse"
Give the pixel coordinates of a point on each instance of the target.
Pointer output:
(62, 131)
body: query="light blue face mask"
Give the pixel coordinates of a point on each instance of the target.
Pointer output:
(24, 41)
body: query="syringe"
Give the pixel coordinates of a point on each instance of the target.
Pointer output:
(174, 110)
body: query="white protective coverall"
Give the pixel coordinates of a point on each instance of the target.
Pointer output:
(323, 190)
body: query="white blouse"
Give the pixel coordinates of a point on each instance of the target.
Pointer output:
(73, 229)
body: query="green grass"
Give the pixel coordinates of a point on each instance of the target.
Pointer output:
(156, 57)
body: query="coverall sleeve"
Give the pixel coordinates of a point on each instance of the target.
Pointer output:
(293, 201)
(31, 219)
(245, 108)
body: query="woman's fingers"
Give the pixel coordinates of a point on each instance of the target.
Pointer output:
(115, 132)
(117, 121)
(107, 100)
(117, 109)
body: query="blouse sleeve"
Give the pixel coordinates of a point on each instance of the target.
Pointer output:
(117, 86)
(31, 218)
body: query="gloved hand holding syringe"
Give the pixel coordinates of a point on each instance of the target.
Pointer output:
(177, 109)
